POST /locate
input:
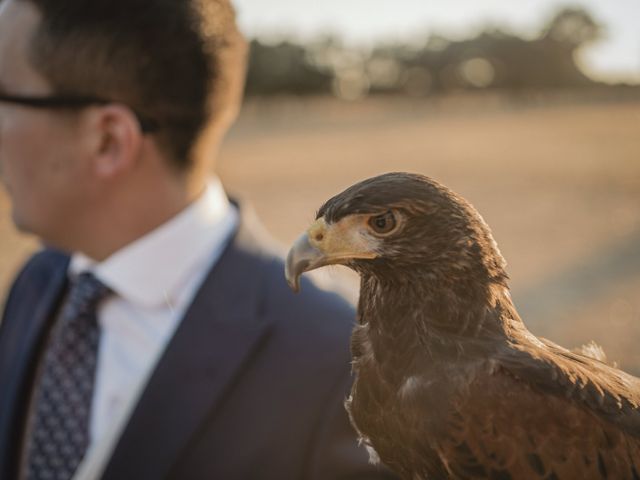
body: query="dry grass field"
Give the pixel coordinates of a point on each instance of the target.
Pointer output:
(559, 183)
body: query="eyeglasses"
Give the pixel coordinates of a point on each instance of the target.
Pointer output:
(147, 125)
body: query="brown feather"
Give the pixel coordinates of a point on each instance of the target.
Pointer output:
(449, 382)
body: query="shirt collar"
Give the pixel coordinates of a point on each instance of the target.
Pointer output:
(152, 269)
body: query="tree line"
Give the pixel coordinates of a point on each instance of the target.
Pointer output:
(493, 59)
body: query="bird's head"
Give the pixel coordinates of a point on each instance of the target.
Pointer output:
(399, 226)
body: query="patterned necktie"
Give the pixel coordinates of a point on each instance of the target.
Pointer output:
(59, 434)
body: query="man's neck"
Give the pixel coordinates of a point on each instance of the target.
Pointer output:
(133, 211)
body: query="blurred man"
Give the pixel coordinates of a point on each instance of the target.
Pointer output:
(156, 337)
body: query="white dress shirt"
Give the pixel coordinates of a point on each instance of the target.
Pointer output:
(154, 280)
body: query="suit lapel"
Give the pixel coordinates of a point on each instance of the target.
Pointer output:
(214, 340)
(19, 351)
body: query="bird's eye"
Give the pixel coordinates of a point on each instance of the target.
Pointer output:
(384, 223)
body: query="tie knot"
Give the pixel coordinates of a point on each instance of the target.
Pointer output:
(86, 292)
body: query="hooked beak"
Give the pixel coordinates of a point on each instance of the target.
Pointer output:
(327, 244)
(301, 258)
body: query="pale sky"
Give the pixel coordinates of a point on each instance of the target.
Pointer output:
(363, 22)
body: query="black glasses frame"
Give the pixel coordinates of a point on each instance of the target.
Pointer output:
(147, 125)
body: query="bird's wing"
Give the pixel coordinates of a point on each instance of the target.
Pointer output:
(605, 391)
(504, 428)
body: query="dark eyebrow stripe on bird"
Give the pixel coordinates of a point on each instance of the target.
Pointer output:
(334, 211)
(376, 201)
(353, 203)
(339, 206)
(333, 215)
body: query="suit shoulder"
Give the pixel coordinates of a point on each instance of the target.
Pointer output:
(253, 247)
(35, 275)
(314, 322)
(41, 266)
(313, 326)
(314, 302)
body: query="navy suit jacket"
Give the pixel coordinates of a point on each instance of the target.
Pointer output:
(251, 385)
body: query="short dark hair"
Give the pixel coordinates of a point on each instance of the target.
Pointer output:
(178, 62)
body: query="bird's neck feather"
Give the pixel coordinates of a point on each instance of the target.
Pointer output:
(435, 319)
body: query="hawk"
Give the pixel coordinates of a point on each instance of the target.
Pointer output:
(449, 383)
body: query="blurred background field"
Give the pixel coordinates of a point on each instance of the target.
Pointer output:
(548, 153)
(558, 184)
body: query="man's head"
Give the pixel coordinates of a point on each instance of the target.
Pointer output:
(177, 65)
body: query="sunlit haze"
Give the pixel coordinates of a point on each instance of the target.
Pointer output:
(616, 57)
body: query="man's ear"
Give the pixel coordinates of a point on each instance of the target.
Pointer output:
(119, 140)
